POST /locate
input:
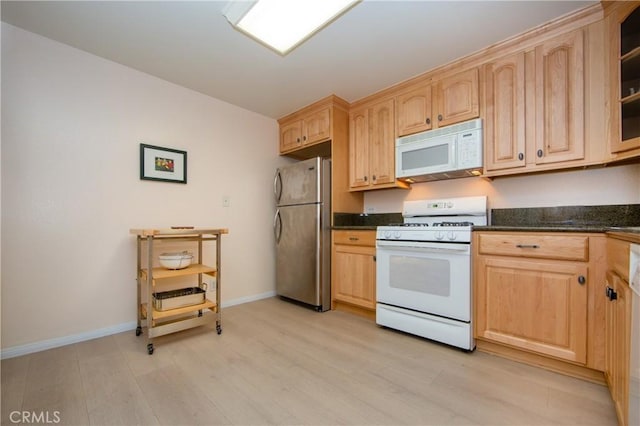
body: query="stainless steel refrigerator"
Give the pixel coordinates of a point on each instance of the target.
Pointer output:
(302, 228)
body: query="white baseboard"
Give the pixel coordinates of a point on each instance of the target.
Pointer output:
(43, 345)
(94, 334)
(247, 299)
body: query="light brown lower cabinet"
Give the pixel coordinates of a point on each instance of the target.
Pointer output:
(353, 270)
(534, 305)
(618, 327)
(534, 293)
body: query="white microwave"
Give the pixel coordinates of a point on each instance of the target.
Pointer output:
(450, 152)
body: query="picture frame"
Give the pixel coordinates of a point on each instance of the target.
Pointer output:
(163, 164)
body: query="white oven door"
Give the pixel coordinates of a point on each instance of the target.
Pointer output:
(434, 278)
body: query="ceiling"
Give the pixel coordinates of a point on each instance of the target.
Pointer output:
(373, 46)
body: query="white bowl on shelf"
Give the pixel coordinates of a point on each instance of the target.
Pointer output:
(175, 260)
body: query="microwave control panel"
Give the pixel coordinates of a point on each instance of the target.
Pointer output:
(470, 149)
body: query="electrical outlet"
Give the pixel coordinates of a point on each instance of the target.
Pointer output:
(370, 210)
(226, 201)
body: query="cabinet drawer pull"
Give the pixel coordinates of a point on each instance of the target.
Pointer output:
(353, 238)
(582, 280)
(527, 246)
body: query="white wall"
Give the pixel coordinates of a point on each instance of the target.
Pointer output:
(72, 125)
(599, 186)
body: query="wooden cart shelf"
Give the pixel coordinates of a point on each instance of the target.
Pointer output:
(161, 273)
(183, 310)
(208, 304)
(168, 321)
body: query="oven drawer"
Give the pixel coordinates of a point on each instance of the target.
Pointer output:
(355, 238)
(525, 244)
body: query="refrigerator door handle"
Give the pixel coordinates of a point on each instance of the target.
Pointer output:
(277, 226)
(277, 178)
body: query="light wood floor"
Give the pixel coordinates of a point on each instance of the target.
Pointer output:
(278, 363)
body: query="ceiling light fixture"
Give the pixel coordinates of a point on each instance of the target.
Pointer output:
(283, 25)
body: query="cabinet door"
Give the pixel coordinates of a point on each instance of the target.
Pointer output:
(618, 333)
(291, 135)
(560, 99)
(382, 143)
(317, 127)
(624, 60)
(504, 124)
(414, 111)
(534, 305)
(456, 98)
(354, 275)
(359, 148)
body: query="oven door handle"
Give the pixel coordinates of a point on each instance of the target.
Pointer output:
(424, 247)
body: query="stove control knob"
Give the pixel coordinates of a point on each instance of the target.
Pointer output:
(452, 236)
(396, 235)
(387, 234)
(439, 235)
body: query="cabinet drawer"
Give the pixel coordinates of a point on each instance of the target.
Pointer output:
(561, 247)
(355, 238)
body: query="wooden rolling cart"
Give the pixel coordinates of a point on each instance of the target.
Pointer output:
(164, 321)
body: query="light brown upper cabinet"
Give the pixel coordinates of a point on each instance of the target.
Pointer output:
(456, 98)
(309, 129)
(444, 101)
(414, 110)
(624, 64)
(505, 112)
(372, 147)
(534, 107)
(559, 82)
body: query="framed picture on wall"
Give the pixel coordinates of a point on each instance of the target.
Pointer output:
(163, 164)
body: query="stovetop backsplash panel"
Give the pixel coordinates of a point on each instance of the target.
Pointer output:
(620, 215)
(364, 220)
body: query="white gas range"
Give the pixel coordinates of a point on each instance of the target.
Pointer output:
(423, 281)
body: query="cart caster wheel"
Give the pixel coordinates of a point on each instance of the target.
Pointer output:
(200, 313)
(138, 331)
(150, 348)
(219, 329)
